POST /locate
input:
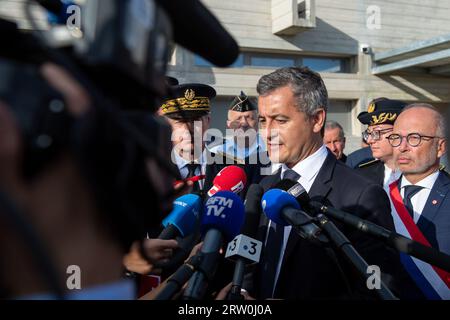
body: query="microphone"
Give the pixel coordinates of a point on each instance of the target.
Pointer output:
(231, 178)
(283, 209)
(182, 220)
(222, 219)
(201, 33)
(244, 248)
(296, 190)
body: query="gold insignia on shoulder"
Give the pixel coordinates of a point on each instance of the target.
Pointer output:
(365, 164)
(189, 94)
(441, 167)
(371, 108)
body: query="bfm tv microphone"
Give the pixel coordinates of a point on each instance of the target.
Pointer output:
(182, 220)
(244, 248)
(231, 178)
(283, 209)
(222, 219)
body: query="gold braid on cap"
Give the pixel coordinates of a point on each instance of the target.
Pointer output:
(175, 105)
(383, 117)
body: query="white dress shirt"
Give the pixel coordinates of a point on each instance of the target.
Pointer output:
(308, 170)
(182, 166)
(389, 177)
(419, 200)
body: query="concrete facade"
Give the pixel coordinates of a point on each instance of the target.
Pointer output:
(341, 29)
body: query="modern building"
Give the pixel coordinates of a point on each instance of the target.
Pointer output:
(363, 49)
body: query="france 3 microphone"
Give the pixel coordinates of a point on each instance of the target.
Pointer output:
(230, 178)
(222, 220)
(244, 249)
(283, 209)
(183, 218)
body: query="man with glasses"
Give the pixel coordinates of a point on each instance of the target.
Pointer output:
(380, 117)
(421, 198)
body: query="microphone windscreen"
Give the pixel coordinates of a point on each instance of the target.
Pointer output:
(225, 212)
(230, 178)
(252, 210)
(186, 211)
(198, 30)
(274, 201)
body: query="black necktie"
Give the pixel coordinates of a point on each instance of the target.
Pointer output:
(270, 259)
(291, 175)
(409, 192)
(192, 169)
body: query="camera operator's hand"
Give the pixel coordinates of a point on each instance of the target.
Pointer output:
(158, 250)
(135, 262)
(222, 295)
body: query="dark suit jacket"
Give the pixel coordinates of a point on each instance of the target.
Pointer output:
(373, 172)
(434, 221)
(309, 271)
(359, 156)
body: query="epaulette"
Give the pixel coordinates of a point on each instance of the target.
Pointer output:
(365, 164)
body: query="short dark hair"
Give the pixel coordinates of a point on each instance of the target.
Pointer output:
(307, 86)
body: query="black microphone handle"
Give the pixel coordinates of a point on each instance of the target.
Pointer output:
(169, 232)
(176, 281)
(395, 240)
(238, 278)
(198, 283)
(344, 245)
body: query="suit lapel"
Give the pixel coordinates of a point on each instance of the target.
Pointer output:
(319, 190)
(434, 202)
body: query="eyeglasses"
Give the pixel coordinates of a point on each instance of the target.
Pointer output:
(375, 134)
(413, 139)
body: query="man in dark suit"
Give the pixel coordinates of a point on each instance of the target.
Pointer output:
(292, 107)
(418, 140)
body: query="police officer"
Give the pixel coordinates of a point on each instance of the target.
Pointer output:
(380, 117)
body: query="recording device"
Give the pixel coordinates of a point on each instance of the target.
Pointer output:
(222, 220)
(183, 218)
(231, 178)
(283, 209)
(244, 249)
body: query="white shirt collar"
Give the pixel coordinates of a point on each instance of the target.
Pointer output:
(309, 167)
(181, 162)
(426, 182)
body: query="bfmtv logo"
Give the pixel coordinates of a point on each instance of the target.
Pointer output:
(216, 205)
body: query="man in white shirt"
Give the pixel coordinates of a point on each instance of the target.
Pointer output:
(292, 108)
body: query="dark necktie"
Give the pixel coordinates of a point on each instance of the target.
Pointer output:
(270, 259)
(291, 175)
(192, 169)
(272, 251)
(410, 191)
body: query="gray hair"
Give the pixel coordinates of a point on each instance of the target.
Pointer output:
(330, 125)
(441, 128)
(307, 86)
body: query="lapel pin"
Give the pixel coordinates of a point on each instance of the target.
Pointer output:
(434, 202)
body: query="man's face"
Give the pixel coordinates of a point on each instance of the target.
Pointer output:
(187, 136)
(290, 135)
(334, 142)
(424, 158)
(381, 149)
(242, 120)
(244, 126)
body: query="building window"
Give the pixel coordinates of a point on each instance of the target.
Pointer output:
(200, 62)
(265, 60)
(324, 64)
